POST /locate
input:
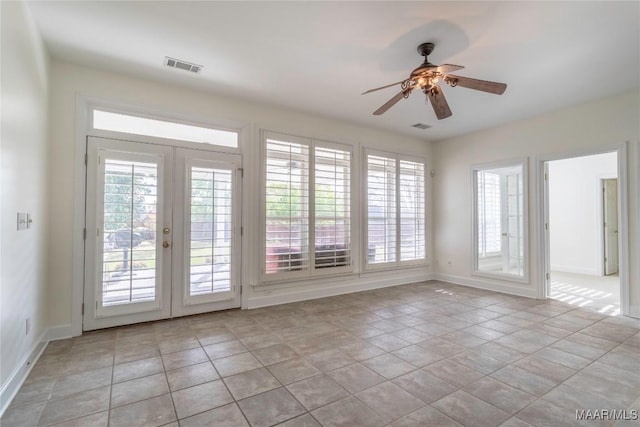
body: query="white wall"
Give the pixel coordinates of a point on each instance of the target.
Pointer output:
(69, 81)
(23, 279)
(607, 121)
(575, 212)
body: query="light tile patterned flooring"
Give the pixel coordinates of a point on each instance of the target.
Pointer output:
(425, 354)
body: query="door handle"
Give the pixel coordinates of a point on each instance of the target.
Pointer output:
(166, 244)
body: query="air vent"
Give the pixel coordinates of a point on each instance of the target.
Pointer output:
(421, 126)
(183, 65)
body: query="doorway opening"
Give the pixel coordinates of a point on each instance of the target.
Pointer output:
(583, 244)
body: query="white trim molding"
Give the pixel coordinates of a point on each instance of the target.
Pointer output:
(517, 289)
(271, 297)
(542, 214)
(12, 385)
(523, 164)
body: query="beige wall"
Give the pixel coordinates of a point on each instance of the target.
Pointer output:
(23, 279)
(588, 126)
(70, 81)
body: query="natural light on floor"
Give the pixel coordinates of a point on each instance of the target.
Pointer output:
(601, 293)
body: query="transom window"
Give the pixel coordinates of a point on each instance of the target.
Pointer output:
(136, 125)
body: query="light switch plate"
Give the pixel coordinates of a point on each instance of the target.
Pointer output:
(22, 221)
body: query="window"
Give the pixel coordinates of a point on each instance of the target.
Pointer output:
(136, 125)
(332, 233)
(500, 220)
(395, 210)
(412, 213)
(307, 206)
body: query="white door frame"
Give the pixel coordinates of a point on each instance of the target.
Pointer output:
(542, 217)
(182, 304)
(95, 316)
(84, 106)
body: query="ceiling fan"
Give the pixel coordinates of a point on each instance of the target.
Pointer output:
(425, 78)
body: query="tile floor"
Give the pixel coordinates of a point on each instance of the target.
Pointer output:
(425, 354)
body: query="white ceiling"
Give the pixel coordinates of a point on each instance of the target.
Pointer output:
(319, 56)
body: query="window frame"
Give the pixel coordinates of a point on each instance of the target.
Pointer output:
(398, 263)
(311, 271)
(521, 162)
(93, 104)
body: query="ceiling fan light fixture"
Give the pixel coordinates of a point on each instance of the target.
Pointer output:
(426, 78)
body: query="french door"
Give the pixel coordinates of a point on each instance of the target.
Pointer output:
(162, 232)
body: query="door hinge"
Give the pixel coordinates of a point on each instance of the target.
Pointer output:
(548, 276)
(546, 226)
(241, 172)
(86, 158)
(241, 231)
(546, 176)
(82, 309)
(84, 234)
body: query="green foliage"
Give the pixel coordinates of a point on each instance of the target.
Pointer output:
(285, 201)
(120, 195)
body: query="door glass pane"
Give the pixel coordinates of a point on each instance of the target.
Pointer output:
(129, 232)
(211, 231)
(500, 220)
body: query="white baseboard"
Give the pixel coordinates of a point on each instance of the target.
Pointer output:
(14, 382)
(514, 289)
(285, 296)
(12, 385)
(634, 311)
(575, 270)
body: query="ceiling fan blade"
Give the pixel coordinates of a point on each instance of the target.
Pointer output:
(381, 87)
(390, 103)
(448, 68)
(482, 85)
(438, 102)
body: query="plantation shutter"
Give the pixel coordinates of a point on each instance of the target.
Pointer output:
(412, 214)
(332, 205)
(287, 206)
(382, 209)
(210, 230)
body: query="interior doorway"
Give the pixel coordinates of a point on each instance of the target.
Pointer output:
(582, 227)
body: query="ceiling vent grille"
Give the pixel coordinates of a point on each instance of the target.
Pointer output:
(421, 126)
(182, 65)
